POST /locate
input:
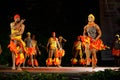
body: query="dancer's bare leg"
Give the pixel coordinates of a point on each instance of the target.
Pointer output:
(50, 54)
(87, 57)
(60, 60)
(94, 58)
(13, 61)
(88, 53)
(24, 60)
(19, 68)
(32, 61)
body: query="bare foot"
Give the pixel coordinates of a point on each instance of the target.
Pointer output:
(13, 68)
(59, 66)
(19, 69)
(93, 66)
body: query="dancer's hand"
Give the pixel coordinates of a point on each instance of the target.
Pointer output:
(39, 52)
(22, 21)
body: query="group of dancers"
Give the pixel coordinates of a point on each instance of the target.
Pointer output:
(25, 51)
(88, 43)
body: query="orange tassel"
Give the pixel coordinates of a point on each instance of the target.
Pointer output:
(49, 61)
(36, 62)
(56, 61)
(13, 47)
(115, 52)
(19, 59)
(82, 61)
(74, 61)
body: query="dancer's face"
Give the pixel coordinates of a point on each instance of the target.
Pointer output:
(53, 34)
(90, 19)
(28, 35)
(17, 20)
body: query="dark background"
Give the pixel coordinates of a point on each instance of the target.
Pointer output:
(44, 16)
(65, 17)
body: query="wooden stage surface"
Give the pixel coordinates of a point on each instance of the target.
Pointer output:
(58, 69)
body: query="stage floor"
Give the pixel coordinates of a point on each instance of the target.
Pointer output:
(58, 69)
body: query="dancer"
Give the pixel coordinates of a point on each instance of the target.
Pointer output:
(116, 50)
(61, 41)
(52, 47)
(77, 52)
(61, 53)
(17, 45)
(36, 50)
(29, 48)
(91, 40)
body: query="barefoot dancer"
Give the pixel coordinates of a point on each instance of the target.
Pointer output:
(17, 46)
(52, 47)
(91, 38)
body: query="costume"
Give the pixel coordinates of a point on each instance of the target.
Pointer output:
(30, 50)
(61, 51)
(116, 50)
(53, 47)
(77, 50)
(29, 46)
(116, 46)
(17, 46)
(91, 41)
(34, 53)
